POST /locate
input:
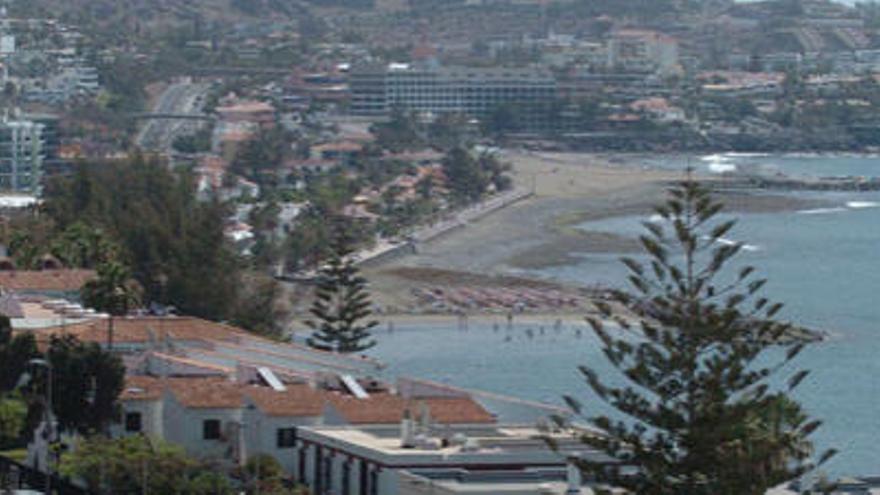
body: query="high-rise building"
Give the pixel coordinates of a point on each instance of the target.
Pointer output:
(428, 88)
(22, 152)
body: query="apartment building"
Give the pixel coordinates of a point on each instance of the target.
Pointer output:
(432, 89)
(22, 153)
(427, 457)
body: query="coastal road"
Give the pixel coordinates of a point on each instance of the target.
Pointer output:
(180, 98)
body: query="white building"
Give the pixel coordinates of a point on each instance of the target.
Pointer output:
(408, 459)
(437, 90)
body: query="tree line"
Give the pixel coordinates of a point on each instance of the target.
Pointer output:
(143, 228)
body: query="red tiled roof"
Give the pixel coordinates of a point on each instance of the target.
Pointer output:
(141, 388)
(301, 400)
(297, 400)
(388, 408)
(340, 146)
(206, 392)
(45, 280)
(141, 329)
(220, 393)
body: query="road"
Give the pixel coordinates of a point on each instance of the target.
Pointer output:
(179, 98)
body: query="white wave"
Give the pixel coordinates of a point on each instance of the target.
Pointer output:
(745, 155)
(730, 242)
(656, 218)
(858, 205)
(822, 211)
(716, 158)
(722, 168)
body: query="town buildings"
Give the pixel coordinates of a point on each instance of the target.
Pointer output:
(643, 51)
(332, 421)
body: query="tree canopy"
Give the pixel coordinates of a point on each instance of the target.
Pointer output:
(697, 348)
(173, 243)
(86, 384)
(137, 464)
(342, 306)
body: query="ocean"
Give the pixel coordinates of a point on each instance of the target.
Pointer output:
(822, 263)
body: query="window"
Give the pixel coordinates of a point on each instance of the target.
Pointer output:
(286, 438)
(211, 429)
(133, 422)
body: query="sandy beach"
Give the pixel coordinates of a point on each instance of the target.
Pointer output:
(539, 232)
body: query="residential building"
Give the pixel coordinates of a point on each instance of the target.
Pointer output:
(424, 457)
(435, 90)
(231, 418)
(22, 153)
(639, 50)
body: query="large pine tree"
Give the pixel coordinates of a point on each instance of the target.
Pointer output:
(698, 349)
(342, 306)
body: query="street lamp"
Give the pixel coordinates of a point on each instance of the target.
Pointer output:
(50, 427)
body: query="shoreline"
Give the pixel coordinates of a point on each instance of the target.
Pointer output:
(501, 253)
(497, 251)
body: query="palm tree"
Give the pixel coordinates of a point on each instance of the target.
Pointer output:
(83, 246)
(114, 292)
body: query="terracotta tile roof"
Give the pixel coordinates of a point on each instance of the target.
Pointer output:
(141, 329)
(141, 388)
(458, 410)
(339, 146)
(206, 392)
(297, 400)
(301, 400)
(388, 409)
(378, 409)
(45, 280)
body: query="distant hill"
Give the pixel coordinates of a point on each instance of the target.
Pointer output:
(133, 15)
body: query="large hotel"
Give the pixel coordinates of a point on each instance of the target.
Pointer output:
(375, 91)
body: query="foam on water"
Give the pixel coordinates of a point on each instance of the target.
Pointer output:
(745, 155)
(730, 242)
(858, 205)
(822, 211)
(714, 158)
(721, 168)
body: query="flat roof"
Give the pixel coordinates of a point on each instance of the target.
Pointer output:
(501, 444)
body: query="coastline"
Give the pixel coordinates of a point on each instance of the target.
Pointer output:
(544, 230)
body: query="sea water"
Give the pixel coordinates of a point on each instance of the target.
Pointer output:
(822, 263)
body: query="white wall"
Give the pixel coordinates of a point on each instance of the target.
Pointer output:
(185, 427)
(151, 418)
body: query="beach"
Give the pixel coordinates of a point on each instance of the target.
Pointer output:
(540, 231)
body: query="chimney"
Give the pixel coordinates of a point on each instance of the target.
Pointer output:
(573, 476)
(407, 430)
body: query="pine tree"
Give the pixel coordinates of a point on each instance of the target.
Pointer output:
(342, 303)
(698, 348)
